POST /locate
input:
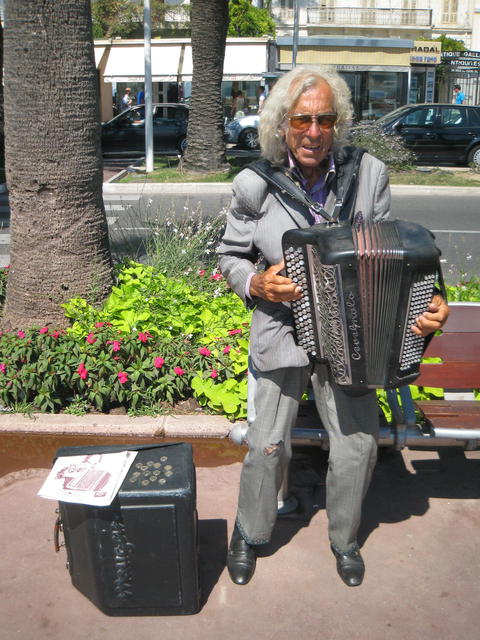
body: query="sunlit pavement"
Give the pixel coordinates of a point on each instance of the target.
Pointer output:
(419, 540)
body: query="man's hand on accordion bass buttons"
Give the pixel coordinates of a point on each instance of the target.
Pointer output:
(433, 319)
(271, 286)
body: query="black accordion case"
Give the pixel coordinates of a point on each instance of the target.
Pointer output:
(139, 555)
(363, 286)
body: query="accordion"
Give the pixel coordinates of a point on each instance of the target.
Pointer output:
(363, 286)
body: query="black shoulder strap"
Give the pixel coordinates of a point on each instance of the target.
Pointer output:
(348, 162)
(277, 177)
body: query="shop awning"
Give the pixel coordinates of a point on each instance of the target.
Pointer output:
(127, 64)
(173, 62)
(99, 51)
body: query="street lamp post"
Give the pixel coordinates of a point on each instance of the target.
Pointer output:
(147, 49)
(295, 33)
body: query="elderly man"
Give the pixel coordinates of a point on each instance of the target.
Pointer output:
(303, 129)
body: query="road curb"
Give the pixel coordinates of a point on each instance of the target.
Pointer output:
(199, 188)
(171, 426)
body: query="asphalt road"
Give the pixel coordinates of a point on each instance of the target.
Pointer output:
(453, 214)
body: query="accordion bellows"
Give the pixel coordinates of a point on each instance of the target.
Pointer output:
(363, 286)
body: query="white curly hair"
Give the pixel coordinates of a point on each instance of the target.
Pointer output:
(285, 94)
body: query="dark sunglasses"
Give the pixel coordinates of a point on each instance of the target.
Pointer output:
(303, 121)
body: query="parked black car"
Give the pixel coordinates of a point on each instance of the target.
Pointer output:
(437, 133)
(126, 132)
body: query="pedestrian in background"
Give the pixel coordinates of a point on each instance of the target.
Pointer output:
(458, 94)
(127, 100)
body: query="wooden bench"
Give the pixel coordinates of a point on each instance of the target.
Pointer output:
(454, 420)
(457, 416)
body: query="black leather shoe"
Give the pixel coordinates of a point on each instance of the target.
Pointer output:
(241, 559)
(350, 566)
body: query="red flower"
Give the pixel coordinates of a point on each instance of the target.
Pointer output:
(227, 349)
(178, 371)
(143, 337)
(234, 331)
(20, 334)
(116, 344)
(82, 372)
(214, 373)
(91, 339)
(158, 362)
(123, 377)
(216, 276)
(99, 324)
(201, 272)
(43, 330)
(204, 351)
(55, 334)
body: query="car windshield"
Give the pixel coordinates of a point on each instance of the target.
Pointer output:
(393, 115)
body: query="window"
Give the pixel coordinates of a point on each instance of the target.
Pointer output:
(453, 117)
(419, 118)
(449, 11)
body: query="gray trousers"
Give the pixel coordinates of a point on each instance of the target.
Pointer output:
(352, 425)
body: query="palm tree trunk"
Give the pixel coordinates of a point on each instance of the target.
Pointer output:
(59, 237)
(206, 146)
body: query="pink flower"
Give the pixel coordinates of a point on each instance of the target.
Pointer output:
(214, 373)
(234, 331)
(91, 339)
(99, 324)
(143, 337)
(122, 377)
(43, 330)
(204, 351)
(3, 368)
(216, 276)
(178, 371)
(82, 372)
(116, 344)
(201, 272)
(158, 362)
(227, 349)
(20, 334)
(55, 334)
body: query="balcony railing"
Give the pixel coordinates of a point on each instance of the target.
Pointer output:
(352, 16)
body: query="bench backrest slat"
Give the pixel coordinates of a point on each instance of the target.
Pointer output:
(459, 348)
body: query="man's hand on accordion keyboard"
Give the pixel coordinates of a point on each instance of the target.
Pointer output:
(433, 319)
(271, 286)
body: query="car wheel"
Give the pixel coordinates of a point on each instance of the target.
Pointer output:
(474, 157)
(182, 146)
(249, 139)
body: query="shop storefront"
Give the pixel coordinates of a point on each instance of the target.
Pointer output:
(425, 56)
(377, 70)
(121, 65)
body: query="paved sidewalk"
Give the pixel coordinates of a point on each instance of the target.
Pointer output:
(420, 543)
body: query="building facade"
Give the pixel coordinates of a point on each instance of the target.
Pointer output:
(120, 64)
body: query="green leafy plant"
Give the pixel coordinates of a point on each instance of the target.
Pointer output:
(146, 300)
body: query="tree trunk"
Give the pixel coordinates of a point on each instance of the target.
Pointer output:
(59, 237)
(205, 143)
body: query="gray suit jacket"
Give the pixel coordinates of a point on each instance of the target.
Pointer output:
(258, 217)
